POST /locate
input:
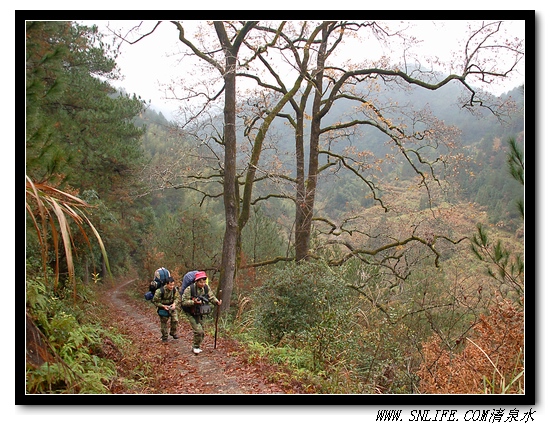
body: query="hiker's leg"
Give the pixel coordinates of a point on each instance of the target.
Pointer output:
(164, 327)
(201, 334)
(198, 332)
(173, 323)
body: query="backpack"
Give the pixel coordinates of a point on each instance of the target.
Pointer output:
(149, 295)
(160, 278)
(153, 286)
(188, 279)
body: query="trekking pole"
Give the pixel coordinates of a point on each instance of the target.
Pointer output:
(216, 324)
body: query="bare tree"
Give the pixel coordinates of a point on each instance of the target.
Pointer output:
(228, 69)
(421, 149)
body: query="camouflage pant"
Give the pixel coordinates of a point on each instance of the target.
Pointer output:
(198, 330)
(173, 324)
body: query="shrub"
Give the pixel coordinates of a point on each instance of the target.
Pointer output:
(296, 299)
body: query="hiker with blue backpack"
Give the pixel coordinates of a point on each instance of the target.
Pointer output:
(195, 303)
(167, 300)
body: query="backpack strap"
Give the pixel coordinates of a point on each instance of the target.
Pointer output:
(162, 291)
(194, 290)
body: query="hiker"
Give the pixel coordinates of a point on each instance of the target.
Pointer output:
(194, 305)
(167, 300)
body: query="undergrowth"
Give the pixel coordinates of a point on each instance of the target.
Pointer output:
(320, 335)
(74, 349)
(301, 321)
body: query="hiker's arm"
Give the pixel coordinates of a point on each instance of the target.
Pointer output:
(213, 298)
(177, 300)
(186, 300)
(157, 299)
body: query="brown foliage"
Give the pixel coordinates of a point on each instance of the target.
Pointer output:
(487, 363)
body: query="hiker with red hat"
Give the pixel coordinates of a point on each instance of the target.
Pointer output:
(195, 303)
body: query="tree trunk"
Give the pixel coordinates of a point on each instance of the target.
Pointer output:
(305, 195)
(230, 183)
(230, 196)
(301, 234)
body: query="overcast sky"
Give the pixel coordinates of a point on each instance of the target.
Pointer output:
(147, 65)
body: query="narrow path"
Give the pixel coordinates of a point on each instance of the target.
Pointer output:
(214, 371)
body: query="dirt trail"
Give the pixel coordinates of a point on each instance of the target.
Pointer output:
(214, 371)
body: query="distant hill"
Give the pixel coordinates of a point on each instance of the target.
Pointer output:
(483, 139)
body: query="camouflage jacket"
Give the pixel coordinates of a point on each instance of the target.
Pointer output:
(187, 301)
(165, 297)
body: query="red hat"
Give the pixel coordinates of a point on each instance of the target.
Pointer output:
(200, 275)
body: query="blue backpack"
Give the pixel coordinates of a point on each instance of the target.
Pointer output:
(160, 279)
(161, 276)
(188, 279)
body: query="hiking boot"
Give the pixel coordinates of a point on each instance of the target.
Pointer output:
(175, 336)
(164, 339)
(197, 350)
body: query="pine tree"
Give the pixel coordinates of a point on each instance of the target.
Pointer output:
(79, 131)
